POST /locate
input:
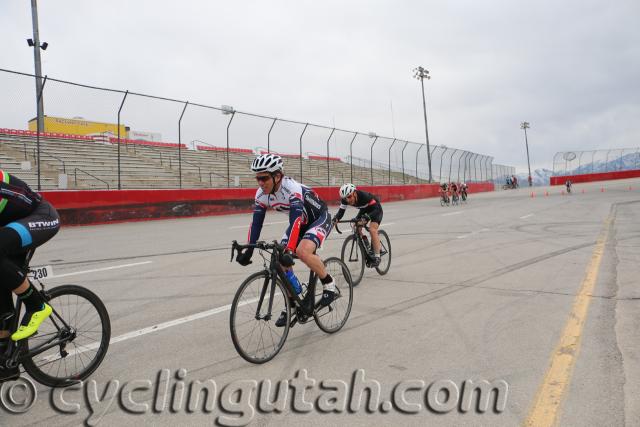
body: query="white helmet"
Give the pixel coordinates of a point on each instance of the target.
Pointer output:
(346, 190)
(267, 163)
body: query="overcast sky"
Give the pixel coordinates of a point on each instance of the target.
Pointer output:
(570, 68)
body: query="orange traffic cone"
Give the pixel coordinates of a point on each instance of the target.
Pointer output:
(602, 189)
(532, 195)
(546, 193)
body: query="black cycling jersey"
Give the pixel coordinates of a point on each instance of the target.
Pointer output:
(17, 199)
(26, 222)
(366, 202)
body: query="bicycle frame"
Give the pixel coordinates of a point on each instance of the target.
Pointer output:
(274, 271)
(357, 231)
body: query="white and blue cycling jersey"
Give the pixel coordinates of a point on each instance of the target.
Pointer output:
(308, 214)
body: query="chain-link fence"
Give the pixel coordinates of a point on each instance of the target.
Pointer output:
(145, 141)
(595, 161)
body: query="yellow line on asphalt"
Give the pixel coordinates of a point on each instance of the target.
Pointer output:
(546, 407)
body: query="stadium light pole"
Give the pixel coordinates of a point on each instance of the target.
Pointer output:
(420, 73)
(525, 126)
(35, 44)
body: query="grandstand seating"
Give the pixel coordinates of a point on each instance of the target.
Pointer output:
(91, 163)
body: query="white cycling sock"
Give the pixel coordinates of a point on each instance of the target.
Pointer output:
(331, 286)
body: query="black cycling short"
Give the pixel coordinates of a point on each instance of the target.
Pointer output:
(374, 212)
(16, 239)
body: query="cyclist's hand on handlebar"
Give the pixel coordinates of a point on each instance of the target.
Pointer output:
(287, 259)
(244, 258)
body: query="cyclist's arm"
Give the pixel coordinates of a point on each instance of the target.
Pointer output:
(341, 211)
(295, 223)
(259, 212)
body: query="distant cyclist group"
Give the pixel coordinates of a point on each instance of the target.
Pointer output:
(453, 193)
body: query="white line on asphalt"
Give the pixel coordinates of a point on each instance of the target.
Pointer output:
(464, 236)
(115, 267)
(452, 213)
(526, 216)
(151, 329)
(266, 223)
(386, 224)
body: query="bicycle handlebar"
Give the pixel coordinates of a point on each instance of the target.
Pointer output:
(351, 221)
(235, 246)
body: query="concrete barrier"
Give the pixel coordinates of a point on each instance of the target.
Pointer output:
(592, 177)
(104, 206)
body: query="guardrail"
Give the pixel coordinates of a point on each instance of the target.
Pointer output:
(75, 177)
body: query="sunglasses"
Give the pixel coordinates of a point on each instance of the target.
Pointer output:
(263, 178)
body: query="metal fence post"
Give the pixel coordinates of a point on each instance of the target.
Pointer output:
(233, 114)
(402, 154)
(119, 111)
(180, 145)
(351, 154)
(269, 135)
(390, 147)
(418, 152)
(328, 167)
(441, 158)
(464, 154)
(451, 162)
(303, 131)
(371, 156)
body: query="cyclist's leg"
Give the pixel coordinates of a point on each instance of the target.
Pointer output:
(17, 238)
(311, 240)
(376, 219)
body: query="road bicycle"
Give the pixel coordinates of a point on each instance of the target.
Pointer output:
(357, 253)
(265, 294)
(444, 199)
(455, 198)
(69, 345)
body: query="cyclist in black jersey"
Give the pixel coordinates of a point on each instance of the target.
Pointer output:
(26, 222)
(369, 206)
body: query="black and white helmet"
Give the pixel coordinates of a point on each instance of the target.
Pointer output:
(346, 190)
(267, 163)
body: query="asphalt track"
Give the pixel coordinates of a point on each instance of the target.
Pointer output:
(482, 291)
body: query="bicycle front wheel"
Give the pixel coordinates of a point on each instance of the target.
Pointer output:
(334, 316)
(80, 322)
(385, 253)
(253, 331)
(352, 256)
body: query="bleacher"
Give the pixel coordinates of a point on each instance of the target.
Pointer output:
(91, 163)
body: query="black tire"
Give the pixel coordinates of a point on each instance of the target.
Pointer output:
(385, 253)
(86, 315)
(333, 317)
(243, 324)
(353, 257)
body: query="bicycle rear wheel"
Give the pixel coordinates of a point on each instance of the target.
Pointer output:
(353, 257)
(253, 331)
(334, 316)
(81, 322)
(385, 253)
